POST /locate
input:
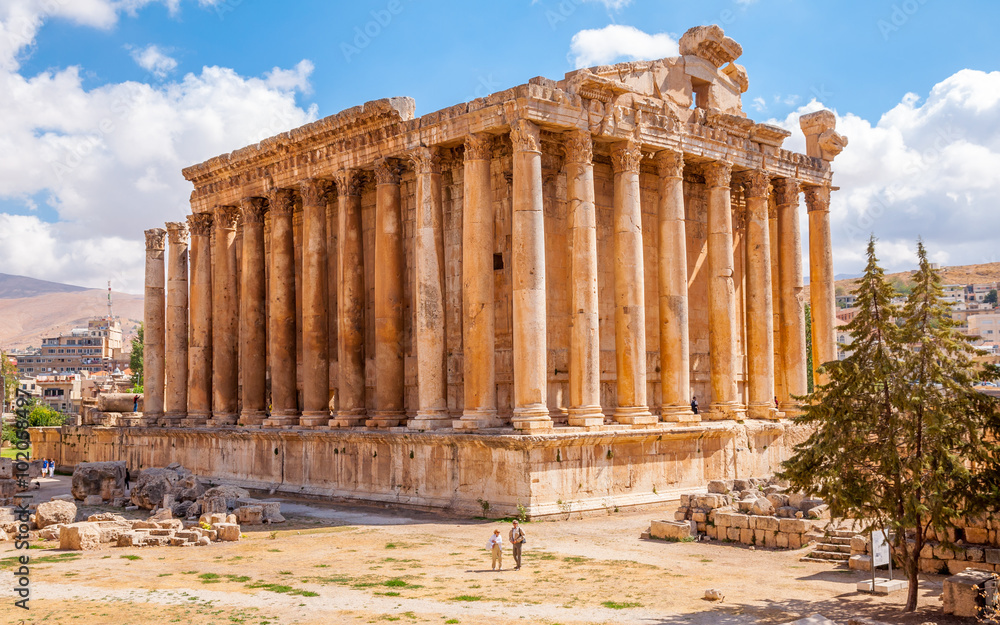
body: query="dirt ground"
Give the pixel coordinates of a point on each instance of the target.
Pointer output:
(350, 564)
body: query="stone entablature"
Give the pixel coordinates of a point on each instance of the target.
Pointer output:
(589, 252)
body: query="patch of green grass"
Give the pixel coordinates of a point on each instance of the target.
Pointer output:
(390, 545)
(130, 557)
(467, 598)
(451, 620)
(395, 583)
(209, 576)
(615, 605)
(283, 589)
(71, 556)
(391, 593)
(284, 572)
(274, 550)
(11, 452)
(321, 566)
(164, 574)
(239, 579)
(575, 559)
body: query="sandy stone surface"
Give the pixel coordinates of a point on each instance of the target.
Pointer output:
(339, 564)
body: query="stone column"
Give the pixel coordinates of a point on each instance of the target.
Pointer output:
(630, 300)
(315, 321)
(176, 398)
(351, 303)
(478, 335)
(531, 411)
(721, 295)
(281, 332)
(585, 339)
(675, 346)
(759, 305)
(389, 407)
(822, 295)
(153, 327)
(225, 318)
(793, 322)
(253, 291)
(779, 367)
(199, 407)
(432, 372)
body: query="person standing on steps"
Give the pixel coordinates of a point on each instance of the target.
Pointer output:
(694, 405)
(517, 541)
(128, 478)
(495, 545)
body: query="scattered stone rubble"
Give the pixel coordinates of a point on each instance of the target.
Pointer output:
(966, 593)
(104, 480)
(752, 511)
(8, 483)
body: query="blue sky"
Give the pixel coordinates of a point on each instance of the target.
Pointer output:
(103, 101)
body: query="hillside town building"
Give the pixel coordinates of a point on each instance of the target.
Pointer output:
(514, 299)
(98, 347)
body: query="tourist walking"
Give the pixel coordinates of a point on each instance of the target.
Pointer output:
(52, 467)
(495, 545)
(135, 403)
(694, 405)
(517, 541)
(128, 478)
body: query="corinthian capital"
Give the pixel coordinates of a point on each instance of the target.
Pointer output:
(756, 183)
(177, 232)
(579, 147)
(282, 201)
(348, 182)
(478, 147)
(200, 224)
(226, 217)
(154, 239)
(670, 163)
(625, 157)
(818, 199)
(786, 191)
(525, 136)
(387, 171)
(314, 191)
(718, 174)
(253, 209)
(426, 160)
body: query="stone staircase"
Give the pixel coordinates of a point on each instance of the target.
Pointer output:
(834, 547)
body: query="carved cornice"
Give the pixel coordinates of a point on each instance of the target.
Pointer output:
(314, 191)
(818, 199)
(525, 136)
(625, 157)
(154, 239)
(253, 209)
(349, 182)
(282, 202)
(670, 163)
(756, 183)
(478, 147)
(387, 171)
(200, 224)
(718, 174)
(226, 217)
(786, 191)
(177, 232)
(579, 148)
(426, 160)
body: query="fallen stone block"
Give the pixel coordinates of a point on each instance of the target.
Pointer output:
(762, 507)
(671, 530)
(228, 532)
(250, 515)
(204, 541)
(966, 593)
(821, 511)
(713, 594)
(860, 563)
(162, 515)
(719, 487)
(79, 537)
(54, 513)
(93, 500)
(98, 478)
(133, 539)
(51, 532)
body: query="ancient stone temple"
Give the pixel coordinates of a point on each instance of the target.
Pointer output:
(515, 298)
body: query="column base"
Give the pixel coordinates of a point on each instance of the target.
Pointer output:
(585, 416)
(727, 411)
(430, 420)
(634, 415)
(476, 420)
(195, 421)
(385, 419)
(348, 419)
(679, 414)
(170, 420)
(314, 419)
(281, 421)
(222, 421)
(791, 408)
(533, 417)
(763, 411)
(252, 418)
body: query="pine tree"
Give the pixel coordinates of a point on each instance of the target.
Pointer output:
(898, 428)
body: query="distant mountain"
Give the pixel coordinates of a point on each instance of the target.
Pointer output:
(31, 310)
(985, 273)
(16, 287)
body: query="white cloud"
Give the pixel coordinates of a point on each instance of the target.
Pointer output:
(154, 60)
(617, 42)
(759, 104)
(927, 168)
(108, 160)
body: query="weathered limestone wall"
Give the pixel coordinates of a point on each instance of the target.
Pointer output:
(549, 474)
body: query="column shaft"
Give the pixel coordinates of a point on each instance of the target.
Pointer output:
(585, 345)
(793, 323)
(822, 295)
(225, 319)
(389, 372)
(478, 334)
(630, 300)
(779, 360)
(432, 373)
(281, 318)
(315, 326)
(531, 411)
(200, 349)
(675, 347)
(759, 304)
(351, 303)
(253, 291)
(175, 398)
(153, 343)
(721, 294)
